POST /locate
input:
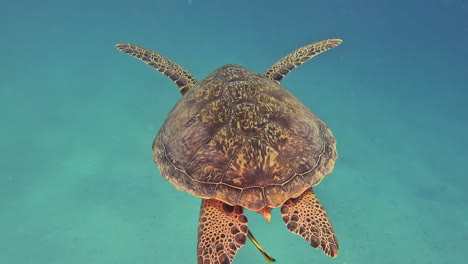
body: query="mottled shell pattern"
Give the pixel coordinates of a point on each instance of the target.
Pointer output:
(241, 138)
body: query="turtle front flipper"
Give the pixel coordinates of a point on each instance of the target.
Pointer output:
(222, 230)
(278, 70)
(306, 217)
(172, 70)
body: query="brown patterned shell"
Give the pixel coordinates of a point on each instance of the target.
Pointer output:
(241, 138)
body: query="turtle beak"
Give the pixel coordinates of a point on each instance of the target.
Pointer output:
(266, 212)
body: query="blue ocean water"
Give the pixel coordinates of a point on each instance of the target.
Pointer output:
(78, 184)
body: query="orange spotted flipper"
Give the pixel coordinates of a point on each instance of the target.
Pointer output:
(306, 217)
(222, 230)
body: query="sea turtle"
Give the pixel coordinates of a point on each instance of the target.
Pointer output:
(239, 140)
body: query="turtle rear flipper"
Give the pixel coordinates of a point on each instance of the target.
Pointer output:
(306, 217)
(218, 219)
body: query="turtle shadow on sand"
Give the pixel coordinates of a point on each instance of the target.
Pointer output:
(239, 140)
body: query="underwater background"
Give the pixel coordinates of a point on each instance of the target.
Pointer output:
(77, 179)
